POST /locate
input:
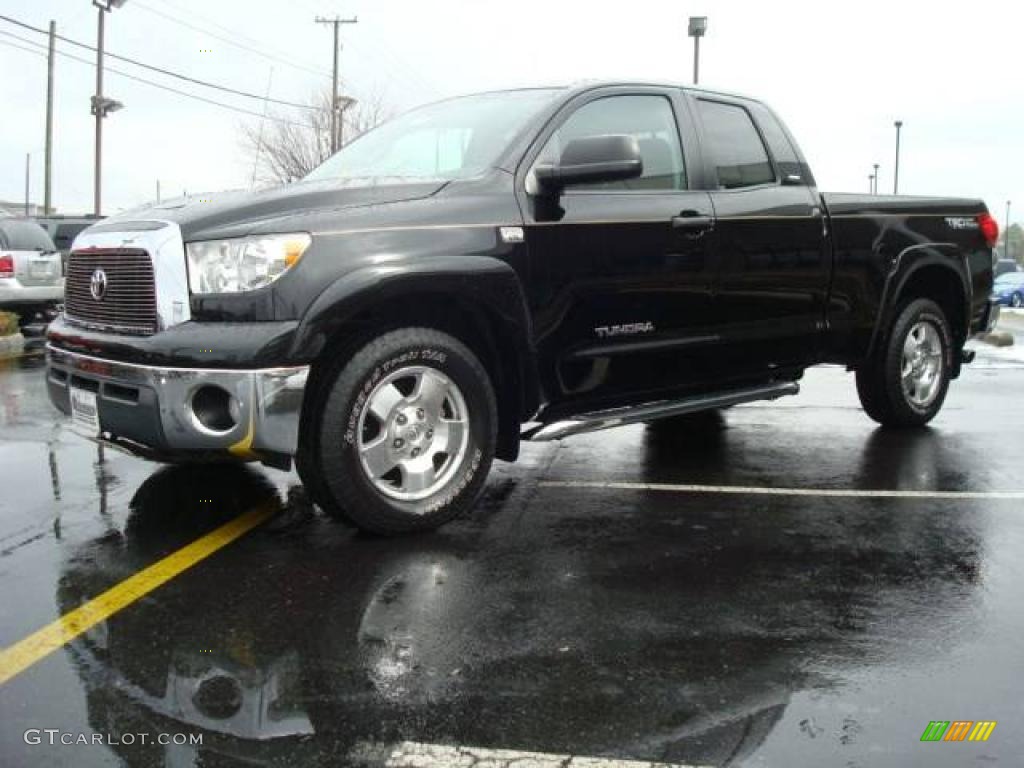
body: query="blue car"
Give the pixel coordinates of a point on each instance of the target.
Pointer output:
(1008, 290)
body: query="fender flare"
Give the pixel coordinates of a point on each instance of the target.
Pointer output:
(906, 264)
(486, 284)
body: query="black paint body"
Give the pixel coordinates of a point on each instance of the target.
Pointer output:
(784, 278)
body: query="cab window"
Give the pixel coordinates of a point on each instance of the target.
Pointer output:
(734, 145)
(647, 118)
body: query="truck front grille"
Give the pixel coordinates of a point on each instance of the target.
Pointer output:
(128, 303)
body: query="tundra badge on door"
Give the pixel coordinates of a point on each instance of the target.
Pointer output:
(626, 329)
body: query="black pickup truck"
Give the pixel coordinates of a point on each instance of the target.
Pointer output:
(526, 264)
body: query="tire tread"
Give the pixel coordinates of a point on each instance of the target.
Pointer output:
(347, 500)
(878, 379)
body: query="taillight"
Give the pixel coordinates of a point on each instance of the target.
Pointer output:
(989, 228)
(6, 264)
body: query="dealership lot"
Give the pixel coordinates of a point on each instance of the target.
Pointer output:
(781, 585)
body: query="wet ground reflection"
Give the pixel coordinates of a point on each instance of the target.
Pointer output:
(672, 631)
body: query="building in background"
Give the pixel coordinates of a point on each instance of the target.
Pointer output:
(18, 209)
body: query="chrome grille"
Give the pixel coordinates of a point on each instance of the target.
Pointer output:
(129, 304)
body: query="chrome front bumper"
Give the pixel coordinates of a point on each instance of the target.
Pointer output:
(149, 410)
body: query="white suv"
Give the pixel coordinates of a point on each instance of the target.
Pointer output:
(30, 266)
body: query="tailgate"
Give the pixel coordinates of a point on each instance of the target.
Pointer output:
(37, 268)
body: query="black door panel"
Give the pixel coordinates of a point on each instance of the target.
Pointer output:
(621, 272)
(773, 276)
(619, 294)
(773, 263)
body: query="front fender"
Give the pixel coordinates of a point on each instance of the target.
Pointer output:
(488, 284)
(484, 280)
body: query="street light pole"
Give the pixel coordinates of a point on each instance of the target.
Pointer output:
(896, 172)
(28, 157)
(698, 26)
(871, 184)
(1006, 236)
(875, 165)
(696, 60)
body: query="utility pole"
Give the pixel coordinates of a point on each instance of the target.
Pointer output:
(97, 189)
(48, 162)
(871, 184)
(344, 103)
(896, 172)
(28, 157)
(158, 190)
(875, 165)
(335, 22)
(100, 104)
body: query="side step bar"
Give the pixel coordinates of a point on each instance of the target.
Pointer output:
(618, 417)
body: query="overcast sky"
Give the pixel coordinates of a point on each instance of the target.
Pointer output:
(838, 74)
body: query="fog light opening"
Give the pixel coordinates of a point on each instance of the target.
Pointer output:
(219, 697)
(214, 409)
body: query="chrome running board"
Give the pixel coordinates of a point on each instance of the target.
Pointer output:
(619, 417)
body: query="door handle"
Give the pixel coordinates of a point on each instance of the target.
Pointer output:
(693, 221)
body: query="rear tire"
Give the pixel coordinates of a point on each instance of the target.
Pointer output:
(1017, 300)
(402, 436)
(906, 382)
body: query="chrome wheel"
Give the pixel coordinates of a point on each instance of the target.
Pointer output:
(921, 373)
(1016, 300)
(413, 433)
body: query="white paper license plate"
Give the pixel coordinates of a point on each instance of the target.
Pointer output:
(40, 269)
(85, 418)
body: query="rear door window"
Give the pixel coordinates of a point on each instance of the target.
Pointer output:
(735, 145)
(25, 236)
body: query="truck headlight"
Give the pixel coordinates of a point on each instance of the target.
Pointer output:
(243, 263)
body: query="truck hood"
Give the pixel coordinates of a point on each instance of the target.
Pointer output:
(241, 211)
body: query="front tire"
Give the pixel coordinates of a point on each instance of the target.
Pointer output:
(403, 435)
(1017, 300)
(906, 384)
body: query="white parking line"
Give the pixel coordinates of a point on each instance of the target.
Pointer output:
(411, 754)
(851, 493)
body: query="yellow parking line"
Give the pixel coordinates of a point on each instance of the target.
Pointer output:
(39, 644)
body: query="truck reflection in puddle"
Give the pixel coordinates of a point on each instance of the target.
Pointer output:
(593, 631)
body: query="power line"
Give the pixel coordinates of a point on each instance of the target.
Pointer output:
(264, 53)
(379, 50)
(161, 86)
(161, 70)
(380, 53)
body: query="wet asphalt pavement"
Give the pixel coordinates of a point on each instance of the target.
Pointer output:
(679, 625)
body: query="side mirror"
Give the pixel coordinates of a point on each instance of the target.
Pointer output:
(592, 160)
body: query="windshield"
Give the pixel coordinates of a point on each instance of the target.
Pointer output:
(453, 139)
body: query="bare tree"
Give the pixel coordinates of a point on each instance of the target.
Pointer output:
(288, 147)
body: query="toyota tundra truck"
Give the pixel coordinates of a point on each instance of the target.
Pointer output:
(508, 266)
